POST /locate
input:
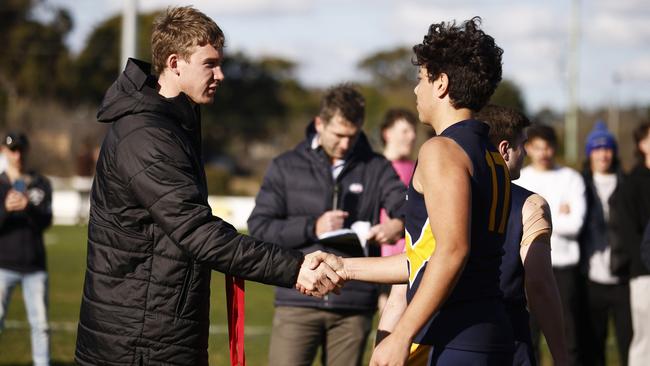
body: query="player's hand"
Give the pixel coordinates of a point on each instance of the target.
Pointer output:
(15, 201)
(386, 233)
(336, 263)
(317, 278)
(392, 351)
(330, 221)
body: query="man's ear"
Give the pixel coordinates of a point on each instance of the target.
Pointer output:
(319, 124)
(441, 85)
(172, 64)
(503, 148)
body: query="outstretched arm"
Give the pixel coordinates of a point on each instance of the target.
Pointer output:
(164, 180)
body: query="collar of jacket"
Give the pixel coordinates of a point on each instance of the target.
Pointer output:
(136, 91)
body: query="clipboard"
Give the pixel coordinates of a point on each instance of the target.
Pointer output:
(355, 236)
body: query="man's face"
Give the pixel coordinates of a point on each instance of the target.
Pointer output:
(424, 96)
(516, 155)
(401, 137)
(338, 136)
(15, 157)
(201, 74)
(541, 152)
(601, 160)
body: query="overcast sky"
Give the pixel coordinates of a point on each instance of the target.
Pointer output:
(327, 38)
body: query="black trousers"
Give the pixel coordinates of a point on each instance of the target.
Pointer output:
(573, 297)
(603, 301)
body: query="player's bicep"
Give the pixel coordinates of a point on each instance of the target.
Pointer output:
(537, 224)
(445, 182)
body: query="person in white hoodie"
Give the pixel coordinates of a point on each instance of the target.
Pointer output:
(564, 190)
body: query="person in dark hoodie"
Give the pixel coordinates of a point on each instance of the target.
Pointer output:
(606, 293)
(331, 180)
(152, 239)
(25, 212)
(633, 209)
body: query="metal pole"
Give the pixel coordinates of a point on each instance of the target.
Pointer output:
(615, 108)
(571, 119)
(129, 31)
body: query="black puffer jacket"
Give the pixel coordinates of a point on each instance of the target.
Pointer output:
(152, 240)
(298, 188)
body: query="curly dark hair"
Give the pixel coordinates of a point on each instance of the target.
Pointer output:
(505, 123)
(395, 114)
(346, 100)
(469, 57)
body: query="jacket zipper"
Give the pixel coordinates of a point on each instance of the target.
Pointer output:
(186, 285)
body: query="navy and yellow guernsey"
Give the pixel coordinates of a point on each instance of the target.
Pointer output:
(473, 317)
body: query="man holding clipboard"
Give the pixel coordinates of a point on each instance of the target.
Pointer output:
(326, 194)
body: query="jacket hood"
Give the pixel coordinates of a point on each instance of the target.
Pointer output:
(136, 91)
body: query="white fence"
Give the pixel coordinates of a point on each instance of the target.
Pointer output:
(71, 207)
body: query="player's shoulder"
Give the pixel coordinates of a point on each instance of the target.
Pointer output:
(536, 206)
(535, 201)
(439, 148)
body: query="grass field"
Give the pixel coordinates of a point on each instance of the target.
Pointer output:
(66, 249)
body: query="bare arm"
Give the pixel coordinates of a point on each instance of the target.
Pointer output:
(393, 310)
(443, 176)
(389, 270)
(541, 288)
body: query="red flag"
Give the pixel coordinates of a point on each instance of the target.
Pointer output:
(235, 303)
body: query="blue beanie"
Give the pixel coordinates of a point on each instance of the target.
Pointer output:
(600, 137)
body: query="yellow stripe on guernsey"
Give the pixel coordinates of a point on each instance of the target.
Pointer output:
(419, 355)
(418, 253)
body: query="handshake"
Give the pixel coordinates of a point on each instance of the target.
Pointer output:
(320, 274)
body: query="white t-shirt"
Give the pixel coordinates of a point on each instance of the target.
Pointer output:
(558, 186)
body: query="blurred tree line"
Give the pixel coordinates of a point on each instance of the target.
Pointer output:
(260, 110)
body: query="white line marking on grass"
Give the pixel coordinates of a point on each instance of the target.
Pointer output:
(220, 329)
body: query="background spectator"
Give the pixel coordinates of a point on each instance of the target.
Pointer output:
(634, 213)
(564, 190)
(398, 133)
(606, 293)
(25, 212)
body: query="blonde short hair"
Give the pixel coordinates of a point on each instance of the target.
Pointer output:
(178, 30)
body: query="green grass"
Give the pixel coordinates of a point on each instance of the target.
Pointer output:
(66, 250)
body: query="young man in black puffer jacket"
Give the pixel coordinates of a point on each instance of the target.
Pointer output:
(152, 239)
